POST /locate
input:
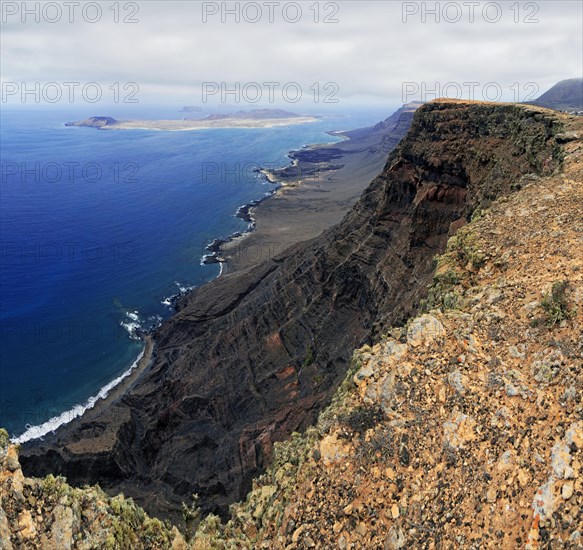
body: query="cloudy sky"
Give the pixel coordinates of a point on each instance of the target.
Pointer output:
(366, 52)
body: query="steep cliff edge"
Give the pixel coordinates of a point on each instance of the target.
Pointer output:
(318, 188)
(463, 429)
(254, 356)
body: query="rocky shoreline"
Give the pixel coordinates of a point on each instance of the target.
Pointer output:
(280, 177)
(245, 213)
(315, 190)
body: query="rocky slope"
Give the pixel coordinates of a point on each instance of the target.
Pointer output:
(49, 514)
(254, 356)
(463, 429)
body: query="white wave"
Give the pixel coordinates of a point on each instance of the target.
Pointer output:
(181, 288)
(169, 301)
(154, 321)
(205, 257)
(35, 432)
(133, 325)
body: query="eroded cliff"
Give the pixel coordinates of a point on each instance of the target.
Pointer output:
(464, 428)
(254, 356)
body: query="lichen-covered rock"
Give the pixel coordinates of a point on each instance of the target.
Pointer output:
(424, 330)
(62, 529)
(48, 514)
(5, 543)
(333, 449)
(458, 430)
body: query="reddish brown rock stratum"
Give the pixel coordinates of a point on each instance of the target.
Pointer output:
(464, 429)
(257, 355)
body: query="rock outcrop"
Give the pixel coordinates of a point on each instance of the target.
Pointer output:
(256, 355)
(94, 122)
(48, 514)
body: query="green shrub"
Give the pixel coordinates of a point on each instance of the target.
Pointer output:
(361, 419)
(4, 439)
(309, 359)
(555, 304)
(55, 487)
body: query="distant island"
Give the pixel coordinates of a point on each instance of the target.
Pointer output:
(258, 118)
(255, 114)
(190, 109)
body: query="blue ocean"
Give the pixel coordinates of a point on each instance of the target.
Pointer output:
(98, 229)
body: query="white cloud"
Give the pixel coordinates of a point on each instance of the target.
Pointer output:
(369, 52)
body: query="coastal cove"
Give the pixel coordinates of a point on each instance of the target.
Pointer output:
(114, 278)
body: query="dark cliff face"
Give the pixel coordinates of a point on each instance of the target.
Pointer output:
(255, 355)
(387, 130)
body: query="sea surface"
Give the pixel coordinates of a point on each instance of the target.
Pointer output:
(98, 229)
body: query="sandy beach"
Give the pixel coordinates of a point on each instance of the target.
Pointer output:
(145, 361)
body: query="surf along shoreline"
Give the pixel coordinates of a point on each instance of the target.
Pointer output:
(105, 397)
(294, 179)
(287, 177)
(122, 384)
